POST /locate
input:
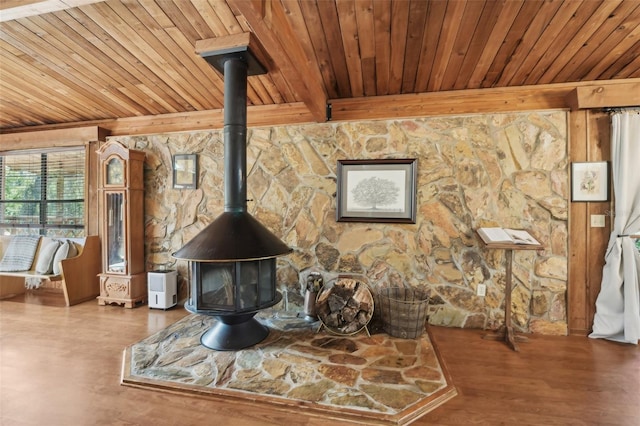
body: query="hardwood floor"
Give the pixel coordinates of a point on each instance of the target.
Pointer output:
(61, 366)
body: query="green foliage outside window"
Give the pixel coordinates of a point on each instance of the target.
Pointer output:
(43, 192)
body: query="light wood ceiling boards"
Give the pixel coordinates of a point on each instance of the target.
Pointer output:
(81, 61)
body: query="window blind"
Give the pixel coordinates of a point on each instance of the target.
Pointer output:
(42, 189)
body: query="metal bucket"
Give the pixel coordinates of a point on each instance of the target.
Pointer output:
(403, 311)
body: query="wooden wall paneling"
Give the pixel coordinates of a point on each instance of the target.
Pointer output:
(577, 292)
(600, 150)
(92, 224)
(589, 140)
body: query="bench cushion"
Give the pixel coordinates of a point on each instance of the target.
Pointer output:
(67, 249)
(45, 257)
(20, 253)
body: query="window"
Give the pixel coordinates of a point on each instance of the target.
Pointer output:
(42, 192)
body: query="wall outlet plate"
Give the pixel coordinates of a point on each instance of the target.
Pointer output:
(481, 290)
(597, 221)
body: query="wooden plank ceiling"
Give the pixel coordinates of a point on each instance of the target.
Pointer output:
(82, 61)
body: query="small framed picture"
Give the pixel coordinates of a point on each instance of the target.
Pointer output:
(376, 191)
(590, 181)
(185, 171)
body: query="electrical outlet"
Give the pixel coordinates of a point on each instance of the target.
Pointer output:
(481, 290)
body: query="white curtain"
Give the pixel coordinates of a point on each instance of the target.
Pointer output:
(618, 304)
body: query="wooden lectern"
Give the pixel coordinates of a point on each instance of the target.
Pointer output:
(506, 332)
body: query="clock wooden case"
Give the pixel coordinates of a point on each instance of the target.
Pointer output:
(121, 209)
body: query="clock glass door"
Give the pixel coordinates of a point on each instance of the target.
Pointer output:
(115, 255)
(115, 172)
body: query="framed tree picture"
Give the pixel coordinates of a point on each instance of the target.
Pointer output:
(376, 190)
(590, 181)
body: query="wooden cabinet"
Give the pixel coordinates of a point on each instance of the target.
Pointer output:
(121, 210)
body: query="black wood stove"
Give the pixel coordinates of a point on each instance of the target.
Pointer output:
(233, 260)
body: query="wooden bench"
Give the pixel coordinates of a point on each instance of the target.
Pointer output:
(78, 278)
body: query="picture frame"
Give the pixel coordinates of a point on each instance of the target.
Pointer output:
(185, 171)
(590, 181)
(376, 190)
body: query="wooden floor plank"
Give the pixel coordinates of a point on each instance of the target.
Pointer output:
(61, 366)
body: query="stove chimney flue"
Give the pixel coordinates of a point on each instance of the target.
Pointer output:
(235, 134)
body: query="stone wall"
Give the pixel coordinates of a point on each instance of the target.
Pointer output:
(480, 170)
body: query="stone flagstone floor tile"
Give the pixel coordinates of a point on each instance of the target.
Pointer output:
(374, 375)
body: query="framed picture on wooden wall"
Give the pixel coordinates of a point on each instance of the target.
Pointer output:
(185, 171)
(376, 190)
(590, 181)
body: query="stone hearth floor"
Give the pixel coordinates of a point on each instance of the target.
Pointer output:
(375, 379)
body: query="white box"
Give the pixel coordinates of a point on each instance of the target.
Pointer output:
(163, 289)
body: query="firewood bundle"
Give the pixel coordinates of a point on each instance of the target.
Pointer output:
(346, 307)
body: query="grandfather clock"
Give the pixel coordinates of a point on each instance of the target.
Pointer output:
(121, 210)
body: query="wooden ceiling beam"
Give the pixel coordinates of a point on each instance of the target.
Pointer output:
(34, 8)
(456, 102)
(290, 58)
(52, 138)
(490, 100)
(257, 116)
(603, 96)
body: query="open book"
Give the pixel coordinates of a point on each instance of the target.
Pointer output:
(506, 235)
